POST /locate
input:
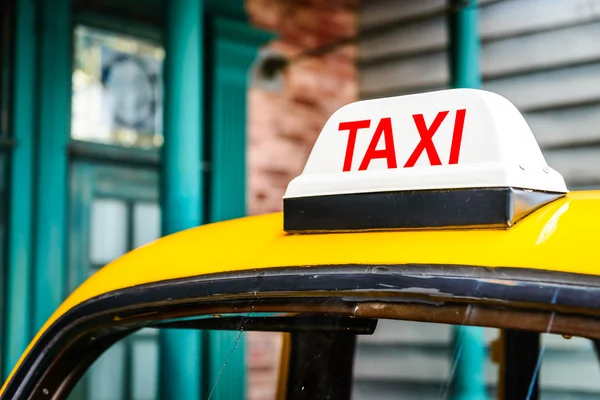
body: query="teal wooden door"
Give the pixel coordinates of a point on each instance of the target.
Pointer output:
(113, 210)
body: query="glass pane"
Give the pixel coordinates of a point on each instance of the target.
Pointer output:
(569, 369)
(333, 355)
(108, 375)
(108, 230)
(145, 367)
(263, 356)
(146, 225)
(117, 89)
(410, 360)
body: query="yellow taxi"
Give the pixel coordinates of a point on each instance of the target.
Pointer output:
(437, 207)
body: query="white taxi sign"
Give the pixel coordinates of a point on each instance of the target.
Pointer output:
(457, 138)
(460, 157)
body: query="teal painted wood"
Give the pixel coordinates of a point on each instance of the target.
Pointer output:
(126, 183)
(3, 271)
(468, 361)
(234, 9)
(54, 110)
(234, 49)
(81, 197)
(89, 182)
(182, 197)
(464, 45)
(18, 330)
(119, 23)
(469, 356)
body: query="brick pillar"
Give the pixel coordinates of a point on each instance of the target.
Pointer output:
(284, 125)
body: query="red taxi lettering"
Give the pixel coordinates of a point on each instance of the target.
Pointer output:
(459, 124)
(389, 152)
(352, 127)
(426, 143)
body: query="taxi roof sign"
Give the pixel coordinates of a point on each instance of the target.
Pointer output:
(468, 140)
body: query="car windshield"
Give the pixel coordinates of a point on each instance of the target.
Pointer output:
(337, 357)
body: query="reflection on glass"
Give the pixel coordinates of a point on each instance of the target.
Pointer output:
(414, 360)
(410, 360)
(117, 89)
(341, 357)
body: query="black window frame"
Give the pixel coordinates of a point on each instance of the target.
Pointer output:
(528, 297)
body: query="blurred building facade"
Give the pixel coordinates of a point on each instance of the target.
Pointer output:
(284, 123)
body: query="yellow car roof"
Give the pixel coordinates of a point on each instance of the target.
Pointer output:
(561, 236)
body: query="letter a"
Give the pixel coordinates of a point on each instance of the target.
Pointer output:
(389, 152)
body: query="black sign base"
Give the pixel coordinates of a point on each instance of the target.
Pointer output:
(483, 207)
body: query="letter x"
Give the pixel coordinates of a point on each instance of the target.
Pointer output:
(426, 142)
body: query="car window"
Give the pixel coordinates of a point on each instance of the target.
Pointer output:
(387, 359)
